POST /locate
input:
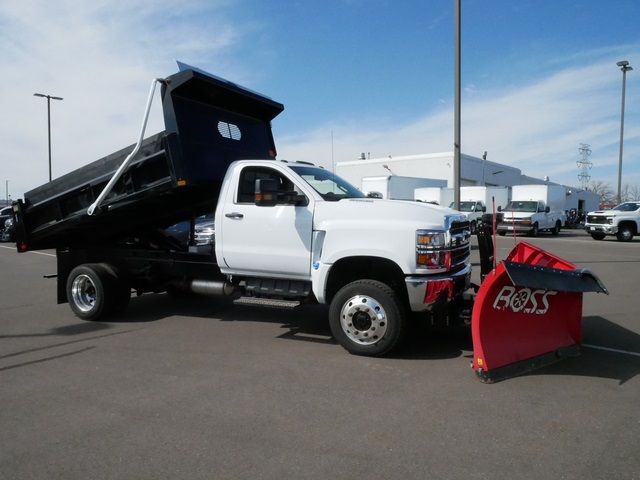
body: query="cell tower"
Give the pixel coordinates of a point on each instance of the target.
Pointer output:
(584, 164)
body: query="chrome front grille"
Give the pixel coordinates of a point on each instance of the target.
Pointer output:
(597, 219)
(460, 233)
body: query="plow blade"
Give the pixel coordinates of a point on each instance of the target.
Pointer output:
(528, 313)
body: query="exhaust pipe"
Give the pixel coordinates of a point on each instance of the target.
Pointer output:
(210, 287)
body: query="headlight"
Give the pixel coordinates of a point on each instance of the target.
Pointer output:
(8, 222)
(526, 222)
(430, 240)
(610, 220)
(430, 252)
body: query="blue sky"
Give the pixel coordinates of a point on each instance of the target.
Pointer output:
(539, 77)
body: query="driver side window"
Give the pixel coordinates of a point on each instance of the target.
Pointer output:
(247, 182)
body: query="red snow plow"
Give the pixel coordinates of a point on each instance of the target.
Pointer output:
(528, 313)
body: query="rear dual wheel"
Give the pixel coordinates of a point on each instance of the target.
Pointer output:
(367, 318)
(94, 291)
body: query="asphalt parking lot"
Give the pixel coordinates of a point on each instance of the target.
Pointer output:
(201, 389)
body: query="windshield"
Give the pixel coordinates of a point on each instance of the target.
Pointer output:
(627, 207)
(328, 185)
(522, 207)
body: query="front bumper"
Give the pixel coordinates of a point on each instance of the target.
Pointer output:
(601, 228)
(511, 227)
(425, 291)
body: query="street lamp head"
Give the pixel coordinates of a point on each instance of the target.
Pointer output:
(39, 95)
(57, 98)
(624, 65)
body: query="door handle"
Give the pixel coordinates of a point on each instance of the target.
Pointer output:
(234, 215)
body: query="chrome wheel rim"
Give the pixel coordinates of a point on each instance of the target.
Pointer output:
(363, 320)
(83, 292)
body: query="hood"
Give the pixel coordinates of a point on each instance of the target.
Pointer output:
(608, 213)
(384, 214)
(509, 214)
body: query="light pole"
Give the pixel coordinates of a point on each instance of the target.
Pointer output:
(625, 67)
(484, 164)
(457, 13)
(49, 98)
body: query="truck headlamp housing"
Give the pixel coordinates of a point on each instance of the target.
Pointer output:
(526, 221)
(430, 250)
(430, 240)
(610, 220)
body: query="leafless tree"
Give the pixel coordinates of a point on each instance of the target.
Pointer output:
(634, 192)
(603, 189)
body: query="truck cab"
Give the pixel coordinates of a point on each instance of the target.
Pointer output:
(527, 216)
(294, 231)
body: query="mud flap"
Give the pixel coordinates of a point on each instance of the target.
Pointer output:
(528, 313)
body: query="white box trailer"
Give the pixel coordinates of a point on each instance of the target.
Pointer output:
(485, 196)
(440, 196)
(475, 200)
(553, 196)
(396, 187)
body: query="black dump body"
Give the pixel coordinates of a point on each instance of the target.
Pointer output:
(177, 173)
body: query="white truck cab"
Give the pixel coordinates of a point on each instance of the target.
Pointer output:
(301, 223)
(623, 221)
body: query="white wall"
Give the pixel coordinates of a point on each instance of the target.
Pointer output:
(473, 171)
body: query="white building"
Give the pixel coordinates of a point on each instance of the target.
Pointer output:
(473, 171)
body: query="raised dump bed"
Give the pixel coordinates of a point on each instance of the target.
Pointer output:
(177, 174)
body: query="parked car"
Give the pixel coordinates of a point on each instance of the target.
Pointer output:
(8, 231)
(5, 213)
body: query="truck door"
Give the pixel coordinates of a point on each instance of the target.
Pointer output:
(268, 241)
(543, 216)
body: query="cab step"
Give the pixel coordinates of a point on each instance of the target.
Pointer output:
(267, 302)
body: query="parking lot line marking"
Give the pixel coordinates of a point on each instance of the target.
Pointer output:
(31, 251)
(597, 347)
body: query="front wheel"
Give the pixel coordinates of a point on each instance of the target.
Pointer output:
(367, 318)
(625, 233)
(556, 230)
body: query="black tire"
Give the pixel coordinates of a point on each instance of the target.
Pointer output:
(556, 230)
(92, 291)
(598, 236)
(534, 231)
(625, 233)
(473, 226)
(362, 298)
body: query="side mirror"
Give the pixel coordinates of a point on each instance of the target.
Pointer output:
(499, 208)
(374, 195)
(484, 209)
(547, 209)
(266, 192)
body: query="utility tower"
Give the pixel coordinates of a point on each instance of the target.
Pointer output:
(584, 164)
